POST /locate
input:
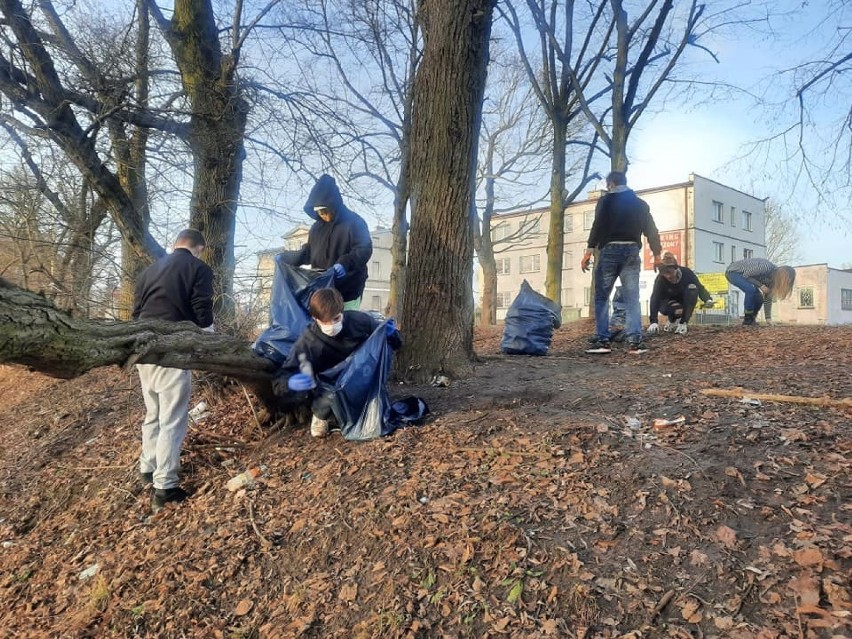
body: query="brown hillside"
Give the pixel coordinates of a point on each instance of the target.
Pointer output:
(538, 501)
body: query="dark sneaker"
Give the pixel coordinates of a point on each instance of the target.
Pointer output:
(146, 478)
(635, 348)
(162, 496)
(599, 346)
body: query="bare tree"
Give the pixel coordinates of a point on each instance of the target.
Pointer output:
(447, 113)
(782, 235)
(372, 48)
(513, 150)
(565, 50)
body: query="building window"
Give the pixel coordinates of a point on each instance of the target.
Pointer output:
(846, 299)
(566, 295)
(500, 232)
(717, 212)
(531, 227)
(377, 303)
(503, 265)
(569, 223)
(587, 295)
(733, 216)
(733, 252)
(567, 260)
(748, 254)
(588, 220)
(719, 252)
(376, 270)
(504, 299)
(530, 263)
(747, 220)
(806, 297)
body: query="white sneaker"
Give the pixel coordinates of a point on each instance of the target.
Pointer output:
(671, 326)
(319, 427)
(681, 329)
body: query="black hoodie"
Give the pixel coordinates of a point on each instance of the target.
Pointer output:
(344, 240)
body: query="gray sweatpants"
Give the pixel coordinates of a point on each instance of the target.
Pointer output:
(166, 393)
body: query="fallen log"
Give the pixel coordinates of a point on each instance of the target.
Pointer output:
(768, 397)
(35, 334)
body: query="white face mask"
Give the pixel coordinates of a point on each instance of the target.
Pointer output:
(334, 328)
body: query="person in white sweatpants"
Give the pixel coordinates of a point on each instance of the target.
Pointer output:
(166, 393)
(176, 288)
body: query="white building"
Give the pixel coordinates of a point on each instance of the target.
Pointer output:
(707, 225)
(821, 295)
(375, 297)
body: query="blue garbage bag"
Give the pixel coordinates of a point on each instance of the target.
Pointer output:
(288, 308)
(360, 400)
(529, 323)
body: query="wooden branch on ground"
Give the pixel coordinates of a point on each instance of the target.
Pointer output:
(768, 397)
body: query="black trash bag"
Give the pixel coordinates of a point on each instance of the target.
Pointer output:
(529, 323)
(288, 308)
(360, 400)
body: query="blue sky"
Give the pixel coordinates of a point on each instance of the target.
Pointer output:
(714, 137)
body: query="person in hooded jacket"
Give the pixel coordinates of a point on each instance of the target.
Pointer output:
(339, 239)
(332, 337)
(675, 295)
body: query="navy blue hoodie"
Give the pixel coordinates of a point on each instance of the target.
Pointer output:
(344, 240)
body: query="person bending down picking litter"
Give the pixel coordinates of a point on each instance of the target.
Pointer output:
(328, 340)
(675, 295)
(762, 282)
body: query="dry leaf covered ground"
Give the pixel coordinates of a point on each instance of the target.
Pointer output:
(540, 500)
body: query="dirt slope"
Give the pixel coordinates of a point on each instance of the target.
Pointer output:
(538, 501)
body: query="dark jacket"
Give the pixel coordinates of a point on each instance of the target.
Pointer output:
(666, 291)
(621, 216)
(344, 240)
(177, 287)
(324, 351)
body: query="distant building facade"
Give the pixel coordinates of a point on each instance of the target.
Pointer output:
(375, 297)
(821, 295)
(707, 225)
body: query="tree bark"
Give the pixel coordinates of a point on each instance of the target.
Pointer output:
(448, 91)
(218, 122)
(36, 334)
(556, 227)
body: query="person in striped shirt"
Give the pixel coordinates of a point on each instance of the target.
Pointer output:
(762, 282)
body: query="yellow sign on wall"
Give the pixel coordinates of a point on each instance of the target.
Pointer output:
(717, 285)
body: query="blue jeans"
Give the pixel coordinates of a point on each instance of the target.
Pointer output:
(753, 296)
(618, 261)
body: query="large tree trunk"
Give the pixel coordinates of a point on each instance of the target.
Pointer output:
(36, 334)
(218, 122)
(448, 91)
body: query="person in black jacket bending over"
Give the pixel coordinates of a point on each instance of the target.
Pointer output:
(339, 239)
(621, 218)
(177, 288)
(328, 340)
(675, 295)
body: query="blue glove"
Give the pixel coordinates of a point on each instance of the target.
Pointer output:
(390, 327)
(301, 382)
(339, 271)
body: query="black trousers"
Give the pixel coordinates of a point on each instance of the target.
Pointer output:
(686, 304)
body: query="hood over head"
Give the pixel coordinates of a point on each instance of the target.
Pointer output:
(325, 193)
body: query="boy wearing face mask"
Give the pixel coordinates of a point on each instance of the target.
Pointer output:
(329, 339)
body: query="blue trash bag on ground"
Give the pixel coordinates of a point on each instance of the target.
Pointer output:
(360, 400)
(529, 323)
(288, 308)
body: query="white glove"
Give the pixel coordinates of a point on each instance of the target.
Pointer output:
(210, 329)
(653, 329)
(681, 329)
